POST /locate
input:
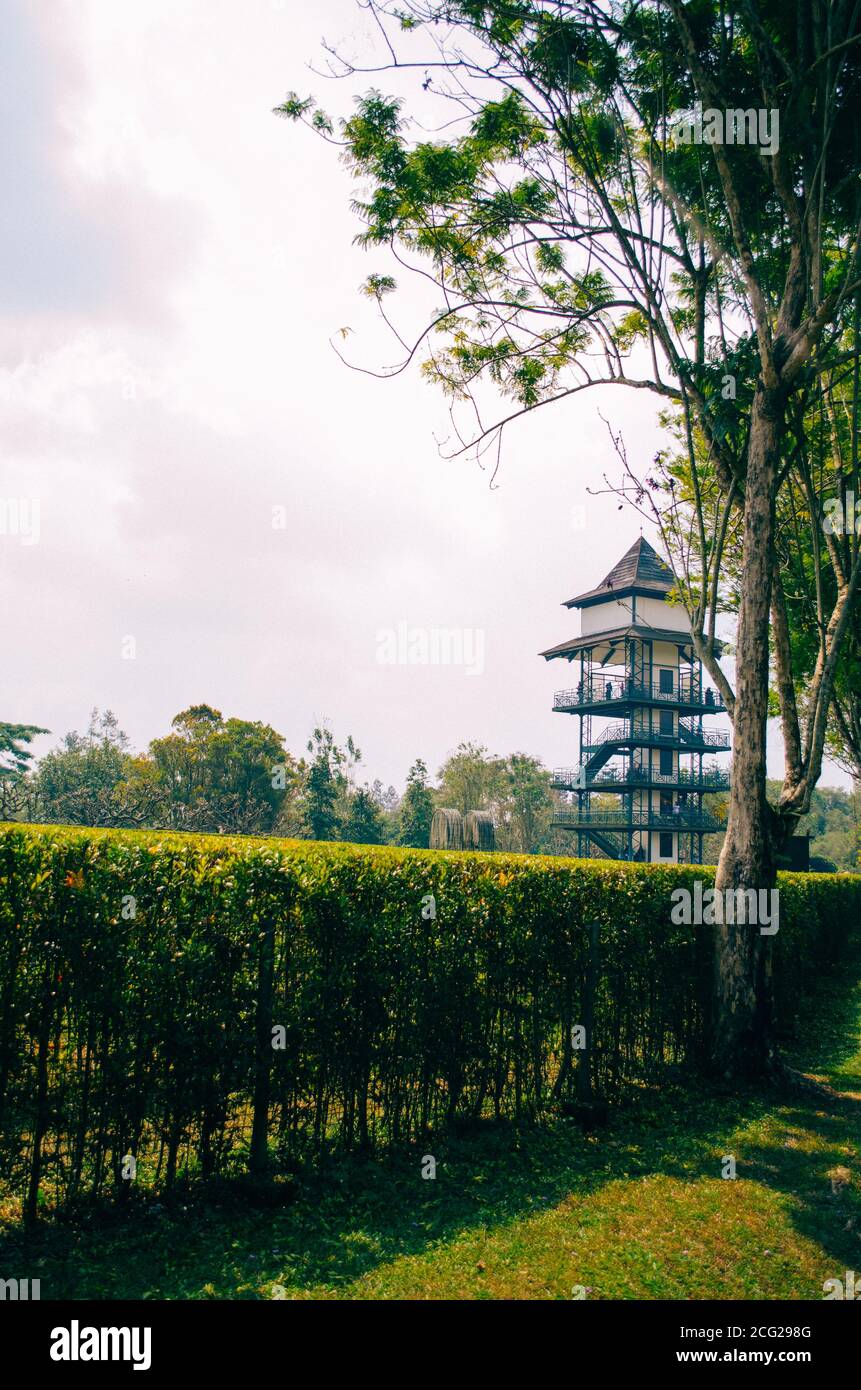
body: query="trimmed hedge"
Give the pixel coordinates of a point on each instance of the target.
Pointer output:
(142, 975)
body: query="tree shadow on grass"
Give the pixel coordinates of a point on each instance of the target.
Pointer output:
(816, 1164)
(815, 1160)
(357, 1214)
(825, 1037)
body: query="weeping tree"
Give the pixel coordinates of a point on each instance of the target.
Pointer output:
(659, 196)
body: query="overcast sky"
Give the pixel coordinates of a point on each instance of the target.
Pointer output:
(175, 261)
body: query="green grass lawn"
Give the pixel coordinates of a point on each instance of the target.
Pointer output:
(638, 1210)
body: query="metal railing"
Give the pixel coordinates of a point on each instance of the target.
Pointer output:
(657, 820)
(711, 738)
(685, 737)
(607, 688)
(614, 733)
(569, 779)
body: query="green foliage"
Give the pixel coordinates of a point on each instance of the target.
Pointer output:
(364, 822)
(526, 805)
(378, 285)
(234, 776)
(15, 757)
(79, 782)
(416, 809)
(470, 779)
(516, 790)
(208, 774)
(501, 1222)
(833, 826)
(140, 971)
(570, 146)
(222, 773)
(327, 783)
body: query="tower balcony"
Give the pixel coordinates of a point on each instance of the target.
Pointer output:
(681, 819)
(570, 779)
(604, 693)
(687, 739)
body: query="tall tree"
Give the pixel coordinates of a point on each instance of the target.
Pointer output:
(470, 779)
(364, 821)
(86, 780)
(818, 523)
(416, 808)
(526, 804)
(223, 774)
(659, 195)
(181, 756)
(15, 760)
(15, 755)
(327, 784)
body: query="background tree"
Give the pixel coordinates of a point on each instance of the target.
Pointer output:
(817, 540)
(470, 779)
(833, 823)
(290, 822)
(15, 762)
(818, 543)
(181, 756)
(364, 823)
(222, 774)
(525, 806)
(575, 240)
(387, 798)
(326, 794)
(91, 780)
(15, 755)
(416, 808)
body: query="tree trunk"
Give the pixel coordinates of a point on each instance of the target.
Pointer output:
(740, 1033)
(259, 1151)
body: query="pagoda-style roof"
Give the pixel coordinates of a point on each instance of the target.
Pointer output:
(640, 571)
(615, 639)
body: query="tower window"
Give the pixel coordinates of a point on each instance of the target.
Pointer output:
(666, 756)
(665, 679)
(665, 718)
(666, 844)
